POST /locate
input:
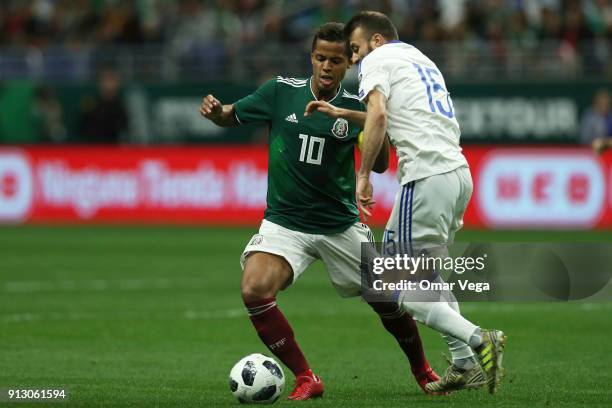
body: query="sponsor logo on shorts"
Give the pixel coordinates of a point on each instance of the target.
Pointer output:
(256, 240)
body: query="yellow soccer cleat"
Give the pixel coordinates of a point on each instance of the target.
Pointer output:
(490, 354)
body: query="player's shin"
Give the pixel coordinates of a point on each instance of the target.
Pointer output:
(441, 317)
(401, 326)
(276, 333)
(461, 354)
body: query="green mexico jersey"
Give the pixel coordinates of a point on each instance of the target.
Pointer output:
(311, 165)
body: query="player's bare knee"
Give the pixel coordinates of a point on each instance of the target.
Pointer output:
(253, 288)
(264, 275)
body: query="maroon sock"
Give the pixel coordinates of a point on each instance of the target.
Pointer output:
(276, 333)
(401, 325)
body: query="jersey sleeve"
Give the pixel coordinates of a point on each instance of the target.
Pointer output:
(354, 103)
(258, 106)
(373, 75)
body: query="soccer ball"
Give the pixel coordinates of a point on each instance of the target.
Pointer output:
(257, 379)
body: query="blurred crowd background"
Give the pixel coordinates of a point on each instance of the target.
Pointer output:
(68, 39)
(56, 52)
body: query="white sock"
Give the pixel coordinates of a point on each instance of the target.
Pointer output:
(441, 317)
(461, 353)
(476, 338)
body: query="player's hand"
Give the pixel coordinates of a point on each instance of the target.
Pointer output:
(365, 196)
(211, 107)
(323, 107)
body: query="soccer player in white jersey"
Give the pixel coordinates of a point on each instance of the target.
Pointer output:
(407, 99)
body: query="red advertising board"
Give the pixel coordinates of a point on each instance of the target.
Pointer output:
(540, 188)
(514, 187)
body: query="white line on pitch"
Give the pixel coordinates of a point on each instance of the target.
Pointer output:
(235, 313)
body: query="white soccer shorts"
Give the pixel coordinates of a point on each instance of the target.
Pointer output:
(341, 252)
(430, 211)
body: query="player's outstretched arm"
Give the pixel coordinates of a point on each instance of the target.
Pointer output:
(353, 116)
(374, 132)
(221, 115)
(357, 117)
(382, 160)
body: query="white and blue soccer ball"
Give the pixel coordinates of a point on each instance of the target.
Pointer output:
(257, 379)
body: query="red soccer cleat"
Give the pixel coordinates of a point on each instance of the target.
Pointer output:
(425, 377)
(307, 386)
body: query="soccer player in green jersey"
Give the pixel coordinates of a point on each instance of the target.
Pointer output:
(311, 206)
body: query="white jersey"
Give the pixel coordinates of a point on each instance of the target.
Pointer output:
(421, 121)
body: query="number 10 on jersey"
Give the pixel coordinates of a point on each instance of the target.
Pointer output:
(308, 144)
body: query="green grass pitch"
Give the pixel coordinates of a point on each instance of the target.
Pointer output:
(151, 316)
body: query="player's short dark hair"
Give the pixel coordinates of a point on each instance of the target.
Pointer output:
(372, 22)
(332, 32)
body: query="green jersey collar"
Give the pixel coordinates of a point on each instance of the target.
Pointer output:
(315, 97)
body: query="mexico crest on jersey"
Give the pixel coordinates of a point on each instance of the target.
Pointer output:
(340, 128)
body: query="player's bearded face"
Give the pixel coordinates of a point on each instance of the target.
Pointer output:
(361, 45)
(329, 65)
